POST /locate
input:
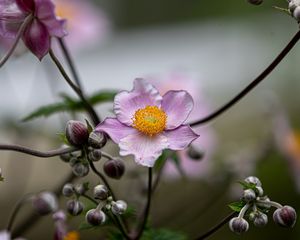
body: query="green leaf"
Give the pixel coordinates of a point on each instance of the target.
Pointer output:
(89, 126)
(247, 185)
(63, 138)
(70, 104)
(237, 206)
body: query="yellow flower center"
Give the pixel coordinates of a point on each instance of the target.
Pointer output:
(150, 120)
(72, 236)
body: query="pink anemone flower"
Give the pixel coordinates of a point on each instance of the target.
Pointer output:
(146, 123)
(43, 25)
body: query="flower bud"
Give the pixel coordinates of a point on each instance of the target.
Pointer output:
(114, 168)
(74, 207)
(44, 203)
(259, 191)
(195, 154)
(285, 216)
(296, 13)
(249, 195)
(95, 217)
(97, 139)
(95, 155)
(255, 2)
(260, 220)
(76, 133)
(59, 216)
(238, 225)
(119, 207)
(264, 202)
(253, 180)
(80, 169)
(80, 189)
(68, 190)
(100, 192)
(65, 157)
(73, 161)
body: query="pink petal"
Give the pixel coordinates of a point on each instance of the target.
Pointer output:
(115, 129)
(145, 149)
(177, 105)
(179, 138)
(26, 5)
(127, 103)
(37, 39)
(45, 12)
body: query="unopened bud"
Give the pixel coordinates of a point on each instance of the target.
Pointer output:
(249, 195)
(80, 189)
(296, 13)
(238, 225)
(74, 207)
(97, 139)
(253, 180)
(259, 191)
(114, 168)
(260, 220)
(44, 203)
(76, 133)
(95, 155)
(59, 216)
(68, 190)
(119, 207)
(285, 216)
(95, 217)
(195, 154)
(264, 202)
(65, 157)
(255, 2)
(100, 192)
(80, 169)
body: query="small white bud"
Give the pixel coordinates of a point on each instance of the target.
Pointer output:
(119, 207)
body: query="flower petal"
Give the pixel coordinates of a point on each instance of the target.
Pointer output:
(4, 235)
(115, 129)
(145, 149)
(127, 103)
(45, 12)
(177, 105)
(179, 138)
(37, 39)
(26, 5)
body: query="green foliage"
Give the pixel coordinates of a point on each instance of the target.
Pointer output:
(89, 126)
(237, 206)
(63, 138)
(70, 104)
(247, 185)
(85, 226)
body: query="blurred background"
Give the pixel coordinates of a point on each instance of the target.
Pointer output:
(212, 49)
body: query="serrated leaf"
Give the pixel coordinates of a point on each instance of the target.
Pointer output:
(237, 206)
(70, 104)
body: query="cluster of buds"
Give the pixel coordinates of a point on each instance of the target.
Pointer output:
(294, 9)
(97, 215)
(255, 205)
(74, 206)
(78, 135)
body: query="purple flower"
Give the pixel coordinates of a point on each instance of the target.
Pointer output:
(146, 123)
(43, 25)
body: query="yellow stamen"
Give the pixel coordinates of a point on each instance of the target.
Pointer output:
(150, 120)
(72, 236)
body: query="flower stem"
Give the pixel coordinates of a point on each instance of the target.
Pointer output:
(70, 61)
(90, 198)
(15, 211)
(252, 85)
(217, 227)
(17, 39)
(76, 89)
(37, 153)
(270, 203)
(243, 210)
(107, 156)
(147, 207)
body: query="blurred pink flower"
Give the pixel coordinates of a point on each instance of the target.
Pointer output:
(43, 25)
(86, 23)
(146, 123)
(207, 141)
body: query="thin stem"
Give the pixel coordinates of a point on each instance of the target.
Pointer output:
(119, 225)
(243, 211)
(253, 84)
(217, 227)
(90, 198)
(29, 151)
(147, 207)
(70, 61)
(17, 39)
(76, 89)
(107, 156)
(15, 211)
(270, 203)
(102, 177)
